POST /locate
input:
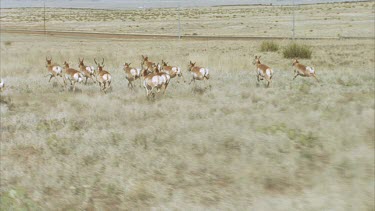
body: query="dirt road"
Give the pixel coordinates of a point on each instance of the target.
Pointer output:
(92, 35)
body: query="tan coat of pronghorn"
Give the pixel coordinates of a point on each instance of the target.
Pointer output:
(2, 85)
(53, 69)
(198, 73)
(72, 75)
(155, 80)
(103, 77)
(263, 71)
(87, 71)
(132, 74)
(173, 71)
(147, 65)
(302, 70)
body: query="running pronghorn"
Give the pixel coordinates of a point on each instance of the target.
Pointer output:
(88, 71)
(198, 73)
(154, 80)
(53, 69)
(104, 77)
(302, 70)
(2, 85)
(72, 75)
(263, 71)
(164, 78)
(146, 65)
(132, 74)
(173, 71)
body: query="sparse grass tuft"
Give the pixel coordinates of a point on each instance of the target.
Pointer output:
(269, 46)
(7, 43)
(295, 50)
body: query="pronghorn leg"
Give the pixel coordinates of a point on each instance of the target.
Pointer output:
(295, 76)
(104, 86)
(109, 84)
(86, 80)
(147, 92)
(51, 77)
(165, 88)
(101, 86)
(315, 77)
(74, 87)
(192, 81)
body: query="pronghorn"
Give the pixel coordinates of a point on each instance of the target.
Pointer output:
(72, 75)
(156, 80)
(88, 71)
(302, 70)
(2, 85)
(104, 77)
(173, 71)
(146, 65)
(263, 71)
(53, 69)
(198, 73)
(132, 74)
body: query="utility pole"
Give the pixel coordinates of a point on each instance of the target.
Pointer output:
(294, 20)
(179, 21)
(44, 17)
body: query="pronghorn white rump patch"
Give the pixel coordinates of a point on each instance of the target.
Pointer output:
(202, 71)
(155, 80)
(310, 69)
(77, 77)
(90, 70)
(57, 70)
(2, 84)
(133, 72)
(106, 77)
(139, 71)
(268, 72)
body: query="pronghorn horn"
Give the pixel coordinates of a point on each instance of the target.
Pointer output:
(95, 61)
(103, 62)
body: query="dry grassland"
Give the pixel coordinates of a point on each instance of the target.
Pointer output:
(321, 20)
(227, 145)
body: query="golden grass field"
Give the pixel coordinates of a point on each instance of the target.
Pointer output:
(230, 144)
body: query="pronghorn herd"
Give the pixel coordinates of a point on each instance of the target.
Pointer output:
(153, 76)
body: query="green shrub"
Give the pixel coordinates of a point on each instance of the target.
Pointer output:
(295, 50)
(269, 46)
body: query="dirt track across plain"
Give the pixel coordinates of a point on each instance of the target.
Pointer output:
(159, 36)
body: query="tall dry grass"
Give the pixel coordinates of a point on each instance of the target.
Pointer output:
(237, 145)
